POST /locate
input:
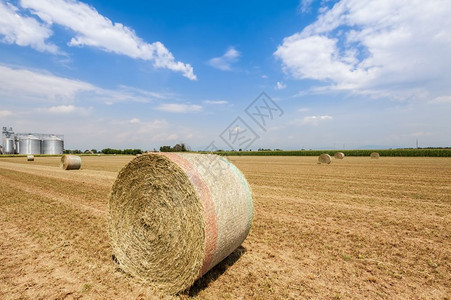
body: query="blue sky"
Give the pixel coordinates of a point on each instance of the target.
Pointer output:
(141, 74)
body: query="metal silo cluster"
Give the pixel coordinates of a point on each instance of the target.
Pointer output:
(31, 143)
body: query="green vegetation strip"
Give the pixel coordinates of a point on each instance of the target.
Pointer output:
(446, 152)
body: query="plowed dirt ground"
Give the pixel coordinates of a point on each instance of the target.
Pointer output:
(357, 228)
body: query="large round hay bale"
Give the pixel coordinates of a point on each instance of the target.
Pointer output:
(30, 157)
(339, 155)
(174, 216)
(70, 162)
(324, 159)
(374, 155)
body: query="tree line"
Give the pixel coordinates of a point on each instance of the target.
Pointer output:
(181, 147)
(105, 151)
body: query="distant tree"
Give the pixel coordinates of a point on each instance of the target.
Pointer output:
(111, 151)
(132, 151)
(177, 148)
(165, 149)
(94, 151)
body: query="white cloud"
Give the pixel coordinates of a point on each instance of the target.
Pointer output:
(62, 109)
(124, 94)
(303, 109)
(224, 62)
(24, 31)
(135, 121)
(65, 110)
(305, 6)
(441, 99)
(91, 29)
(420, 134)
(38, 86)
(280, 85)
(216, 102)
(5, 113)
(155, 133)
(375, 47)
(179, 108)
(22, 84)
(143, 93)
(172, 137)
(311, 120)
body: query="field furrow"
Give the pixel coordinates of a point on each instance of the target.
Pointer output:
(83, 193)
(101, 178)
(33, 190)
(67, 237)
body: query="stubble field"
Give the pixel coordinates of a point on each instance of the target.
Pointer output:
(357, 228)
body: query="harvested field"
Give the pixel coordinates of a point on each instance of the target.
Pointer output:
(357, 228)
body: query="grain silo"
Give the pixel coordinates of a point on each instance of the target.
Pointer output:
(17, 146)
(52, 145)
(8, 141)
(29, 144)
(8, 145)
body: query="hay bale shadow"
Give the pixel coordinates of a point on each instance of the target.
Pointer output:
(211, 276)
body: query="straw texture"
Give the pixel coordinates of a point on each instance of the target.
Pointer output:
(339, 155)
(324, 159)
(70, 162)
(374, 155)
(174, 216)
(30, 157)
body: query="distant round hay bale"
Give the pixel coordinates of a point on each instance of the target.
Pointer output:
(374, 155)
(324, 159)
(138, 155)
(339, 155)
(70, 162)
(30, 157)
(174, 216)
